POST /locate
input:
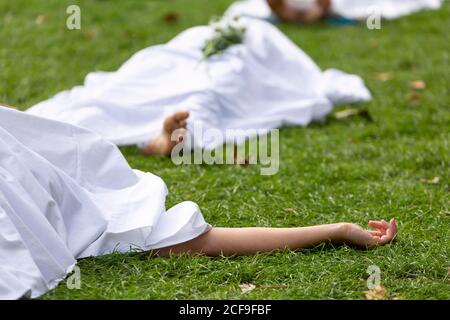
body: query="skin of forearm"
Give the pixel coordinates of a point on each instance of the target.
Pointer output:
(245, 241)
(248, 241)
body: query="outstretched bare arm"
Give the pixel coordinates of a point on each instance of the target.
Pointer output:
(248, 241)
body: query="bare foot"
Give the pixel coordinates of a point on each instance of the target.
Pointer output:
(163, 143)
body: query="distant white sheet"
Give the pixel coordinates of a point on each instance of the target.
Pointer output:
(65, 194)
(351, 9)
(264, 83)
(250, 8)
(389, 9)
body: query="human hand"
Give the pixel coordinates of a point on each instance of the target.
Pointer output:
(384, 233)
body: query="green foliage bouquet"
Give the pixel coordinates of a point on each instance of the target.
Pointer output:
(227, 32)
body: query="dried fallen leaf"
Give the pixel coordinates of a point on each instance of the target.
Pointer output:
(348, 113)
(89, 34)
(414, 96)
(435, 180)
(40, 19)
(242, 161)
(239, 161)
(186, 195)
(383, 76)
(247, 287)
(171, 17)
(378, 293)
(289, 210)
(373, 42)
(417, 85)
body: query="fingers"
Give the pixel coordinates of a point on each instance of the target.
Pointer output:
(375, 233)
(381, 225)
(392, 230)
(377, 225)
(386, 231)
(376, 240)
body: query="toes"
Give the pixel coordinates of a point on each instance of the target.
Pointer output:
(182, 124)
(169, 124)
(181, 116)
(175, 121)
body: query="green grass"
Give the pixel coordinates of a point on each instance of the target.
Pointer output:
(348, 170)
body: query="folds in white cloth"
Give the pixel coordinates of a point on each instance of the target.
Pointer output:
(66, 193)
(264, 83)
(350, 9)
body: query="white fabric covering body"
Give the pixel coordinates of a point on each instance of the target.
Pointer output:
(263, 83)
(351, 9)
(65, 193)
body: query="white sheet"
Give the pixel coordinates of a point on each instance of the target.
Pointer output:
(389, 9)
(65, 194)
(264, 83)
(351, 9)
(250, 8)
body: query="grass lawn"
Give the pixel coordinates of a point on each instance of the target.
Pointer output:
(341, 170)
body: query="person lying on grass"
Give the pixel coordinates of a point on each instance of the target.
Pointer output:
(222, 82)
